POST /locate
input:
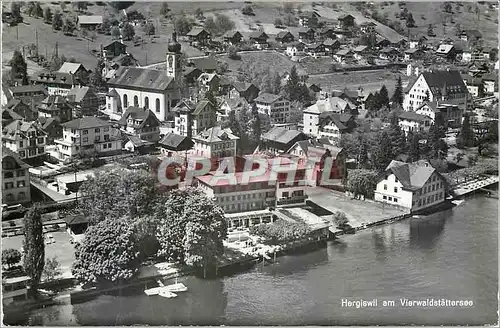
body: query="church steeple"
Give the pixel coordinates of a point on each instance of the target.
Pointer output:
(173, 57)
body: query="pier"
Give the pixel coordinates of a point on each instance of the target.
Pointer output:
(474, 185)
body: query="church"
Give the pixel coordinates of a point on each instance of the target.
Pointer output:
(154, 89)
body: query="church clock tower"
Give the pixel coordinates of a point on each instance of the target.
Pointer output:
(173, 54)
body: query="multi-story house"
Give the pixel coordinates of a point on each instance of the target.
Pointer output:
(440, 86)
(27, 139)
(415, 186)
(306, 34)
(246, 90)
(333, 125)
(284, 37)
(259, 38)
(191, 119)
(15, 179)
(413, 122)
(215, 143)
(174, 145)
(199, 36)
(278, 140)
(324, 107)
(451, 114)
(27, 93)
(275, 106)
(142, 123)
(21, 108)
(232, 37)
(57, 83)
(84, 101)
(56, 107)
(294, 48)
(309, 19)
(88, 134)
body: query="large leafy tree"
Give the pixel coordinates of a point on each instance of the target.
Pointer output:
(128, 31)
(190, 220)
(117, 193)
(383, 152)
(69, 26)
(47, 15)
(182, 25)
(96, 79)
(362, 182)
(10, 257)
(398, 139)
(34, 246)
(108, 253)
(57, 21)
(19, 68)
(414, 147)
(466, 136)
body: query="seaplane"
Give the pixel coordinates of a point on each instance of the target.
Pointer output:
(166, 291)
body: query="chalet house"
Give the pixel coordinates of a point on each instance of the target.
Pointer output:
(309, 19)
(114, 49)
(412, 185)
(232, 37)
(368, 27)
(191, 118)
(278, 140)
(21, 110)
(446, 51)
(232, 105)
(246, 90)
(285, 37)
(83, 100)
(15, 180)
(327, 33)
(259, 39)
(346, 22)
(382, 42)
(474, 86)
(89, 22)
(489, 83)
(389, 54)
(313, 88)
(413, 122)
(333, 125)
(142, 123)
(330, 105)
(209, 82)
(88, 133)
(57, 83)
(451, 114)
(191, 75)
(27, 139)
(52, 127)
(294, 48)
(275, 106)
(360, 52)
(73, 68)
(331, 46)
(316, 50)
(471, 35)
(56, 107)
(174, 145)
(215, 142)
(198, 36)
(443, 86)
(306, 34)
(204, 64)
(420, 43)
(344, 56)
(413, 54)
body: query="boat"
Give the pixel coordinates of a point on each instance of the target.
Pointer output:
(165, 293)
(177, 287)
(152, 291)
(416, 217)
(457, 202)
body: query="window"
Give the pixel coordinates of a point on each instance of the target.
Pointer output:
(21, 173)
(21, 183)
(146, 102)
(390, 199)
(385, 187)
(157, 105)
(104, 146)
(10, 197)
(97, 130)
(9, 185)
(85, 131)
(136, 101)
(125, 101)
(109, 145)
(395, 189)
(109, 106)
(97, 138)
(85, 139)
(433, 187)
(40, 140)
(21, 144)
(397, 180)
(395, 200)
(7, 175)
(106, 137)
(21, 196)
(384, 197)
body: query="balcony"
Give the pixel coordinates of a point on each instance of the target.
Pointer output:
(292, 200)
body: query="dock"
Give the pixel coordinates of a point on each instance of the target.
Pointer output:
(474, 185)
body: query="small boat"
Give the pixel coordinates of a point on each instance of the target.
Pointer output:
(416, 217)
(177, 287)
(165, 293)
(152, 291)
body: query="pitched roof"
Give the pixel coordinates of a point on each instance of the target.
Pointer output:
(282, 34)
(444, 48)
(141, 78)
(87, 122)
(216, 134)
(330, 42)
(412, 176)
(195, 31)
(137, 114)
(45, 122)
(359, 48)
(77, 94)
(258, 35)
(20, 127)
(315, 147)
(412, 116)
(267, 98)
(330, 104)
(9, 153)
(205, 63)
(56, 77)
(70, 68)
(9, 114)
(173, 141)
(343, 52)
(437, 80)
(30, 88)
(90, 19)
(200, 106)
(231, 34)
(340, 120)
(281, 135)
(111, 45)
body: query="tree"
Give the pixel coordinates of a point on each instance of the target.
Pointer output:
(164, 9)
(430, 30)
(398, 96)
(288, 7)
(34, 246)
(115, 32)
(69, 26)
(447, 7)
(256, 125)
(52, 269)
(116, 193)
(19, 68)
(435, 147)
(383, 97)
(210, 25)
(57, 21)
(37, 10)
(108, 253)
(30, 8)
(10, 257)
(362, 182)
(466, 136)
(128, 31)
(292, 85)
(276, 83)
(278, 22)
(398, 140)
(410, 22)
(247, 10)
(182, 25)
(47, 15)
(340, 219)
(192, 228)
(199, 13)
(149, 29)
(15, 10)
(414, 147)
(96, 79)
(232, 53)
(80, 5)
(383, 152)
(290, 20)
(368, 39)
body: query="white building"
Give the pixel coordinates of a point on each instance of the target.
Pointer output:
(15, 179)
(88, 134)
(321, 108)
(215, 143)
(438, 86)
(142, 123)
(452, 114)
(413, 122)
(412, 185)
(275, 106)
(191, 119)
(27, 139)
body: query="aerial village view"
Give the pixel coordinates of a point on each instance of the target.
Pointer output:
(249, 163)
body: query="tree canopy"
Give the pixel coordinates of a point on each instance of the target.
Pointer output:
(19, 68)
(34, 246)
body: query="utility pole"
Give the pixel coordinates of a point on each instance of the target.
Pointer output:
(17, 31)
(36, 40)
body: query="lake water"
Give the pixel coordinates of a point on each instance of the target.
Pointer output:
(451, 255)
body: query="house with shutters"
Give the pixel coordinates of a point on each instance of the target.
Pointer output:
(192, 118)
(309, 19)
(259, 39)
(331, 46)
(332, 126)
(450, 114)
(56, 107)
(415, 186)
(367, 27)
(26, 93)
(274, 106)
(327, 33)
(346, 21)
(306, 34)
(278, 140)
(142, 123)
(56, 83)
(344, 56)
(294, 48)
(322, 108)
(175, 145)
(244, 89)
(114, 49)
(27, 139)
(198, 36)
(84, 101)
(438, 85)
(413, 122)
(232, 37)
(15, 179)
(284, 37)
(215, 142)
